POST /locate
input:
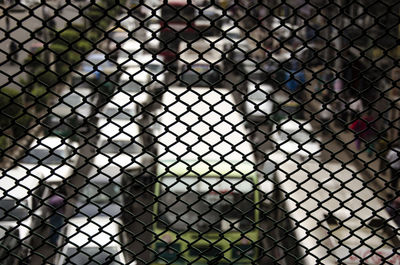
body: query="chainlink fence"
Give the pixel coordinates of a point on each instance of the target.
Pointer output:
(199, 132)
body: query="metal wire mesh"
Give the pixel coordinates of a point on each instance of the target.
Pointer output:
(199, 132)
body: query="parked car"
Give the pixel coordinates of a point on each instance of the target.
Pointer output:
(16, 202)
(96, 240)
(101, 196)
(49, 157)
(123, 108)
(259, 106)
(75, 104)
(119, 149)
(295, 139)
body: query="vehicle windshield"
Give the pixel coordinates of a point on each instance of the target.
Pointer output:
(73, 99)
(258, 95)
(299, 137)
(101, 193)
(155, 68)
(93, 256)
(206, 205)
(120, 146)
(200, 76)
(45, 156)
(9, 211)
(114, 113)
(131, 86)
(233, 36)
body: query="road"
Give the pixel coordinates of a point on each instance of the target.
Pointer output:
(337, 146)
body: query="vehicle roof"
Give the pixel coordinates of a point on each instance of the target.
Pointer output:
(295, 125)
(207, 122)
(208, 49)
(119, 130)
(49, 142)
(17, 183)
(97, 231)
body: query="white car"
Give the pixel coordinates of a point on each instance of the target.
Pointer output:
(259, 105)
(144, 72)
(123, 108)
(16, 202)
(75, 102)
(101, 196)
(294, 138)
(94, 240)
(49, 158)
(118, 150)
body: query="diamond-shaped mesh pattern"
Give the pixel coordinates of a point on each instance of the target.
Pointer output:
(199, 132)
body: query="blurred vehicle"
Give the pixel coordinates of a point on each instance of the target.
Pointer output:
(213, 227)
(144, 72)
(258, 104)
(16, 203)
(200, 62)
(294, 138)
(49, 157)
(93, 241)
(75, 104)
(120, 146)
(101, 196)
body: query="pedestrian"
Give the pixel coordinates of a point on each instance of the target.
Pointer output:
(57, 205)
(393, 160)
(13, 52)
(365, 131)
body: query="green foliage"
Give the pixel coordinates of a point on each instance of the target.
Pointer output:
(94, 35)
(78, 27)
(62, 70)
(83, 46)
(40, 94)
(4, 142)
(58, 48)
(94, 13)
(70, 35)
(47, 78)
(22, 125)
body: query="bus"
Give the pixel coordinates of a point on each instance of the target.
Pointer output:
(207, 195)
